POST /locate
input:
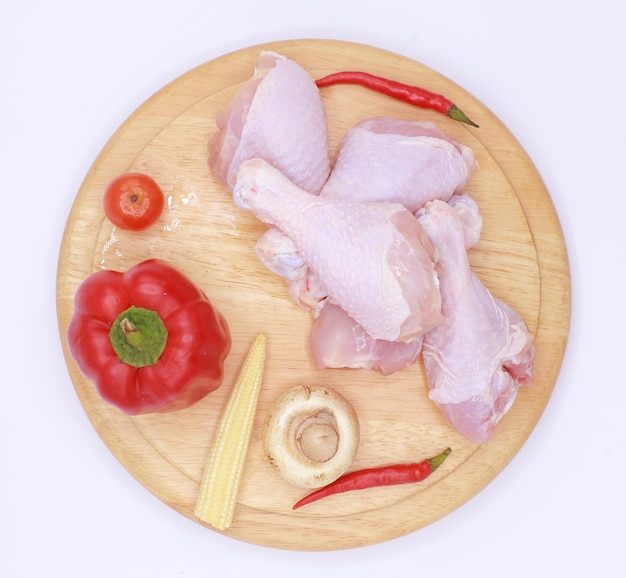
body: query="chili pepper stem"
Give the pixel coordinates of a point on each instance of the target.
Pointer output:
(455, 113)
(435, 462)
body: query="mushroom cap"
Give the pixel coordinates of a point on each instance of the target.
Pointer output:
(311, 435)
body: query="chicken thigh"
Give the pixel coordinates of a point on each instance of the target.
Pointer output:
(277, 115)
(408, 162)
(373, 260)
(482, 352)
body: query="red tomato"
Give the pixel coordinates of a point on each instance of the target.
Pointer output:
(133, 201)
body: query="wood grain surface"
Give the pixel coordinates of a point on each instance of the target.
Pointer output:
(521, 257)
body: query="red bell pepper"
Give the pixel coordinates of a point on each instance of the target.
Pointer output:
(148, 338)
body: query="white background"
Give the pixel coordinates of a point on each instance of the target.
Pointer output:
(70, 74)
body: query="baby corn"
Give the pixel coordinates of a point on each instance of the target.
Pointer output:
(222, 477)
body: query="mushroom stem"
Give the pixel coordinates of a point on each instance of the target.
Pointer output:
(317, 437)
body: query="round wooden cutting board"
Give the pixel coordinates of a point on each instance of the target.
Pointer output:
(521, 258)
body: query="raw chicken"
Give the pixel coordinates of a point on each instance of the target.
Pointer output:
(471, 219)
(308, 292)
(372, 259)
(280, 255)
(482, 352)
(388, 159)
(277, 115)
(337, 341)
(380, 159)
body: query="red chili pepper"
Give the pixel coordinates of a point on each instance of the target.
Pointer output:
(377, 477)
(398, 90)
(148, 338)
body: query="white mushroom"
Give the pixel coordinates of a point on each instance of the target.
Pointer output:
(311, 435)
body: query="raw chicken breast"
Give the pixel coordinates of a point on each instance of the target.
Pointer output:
(337, 341)
(482, 352)
(387, 159)
(277, 115)
(372, 259)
